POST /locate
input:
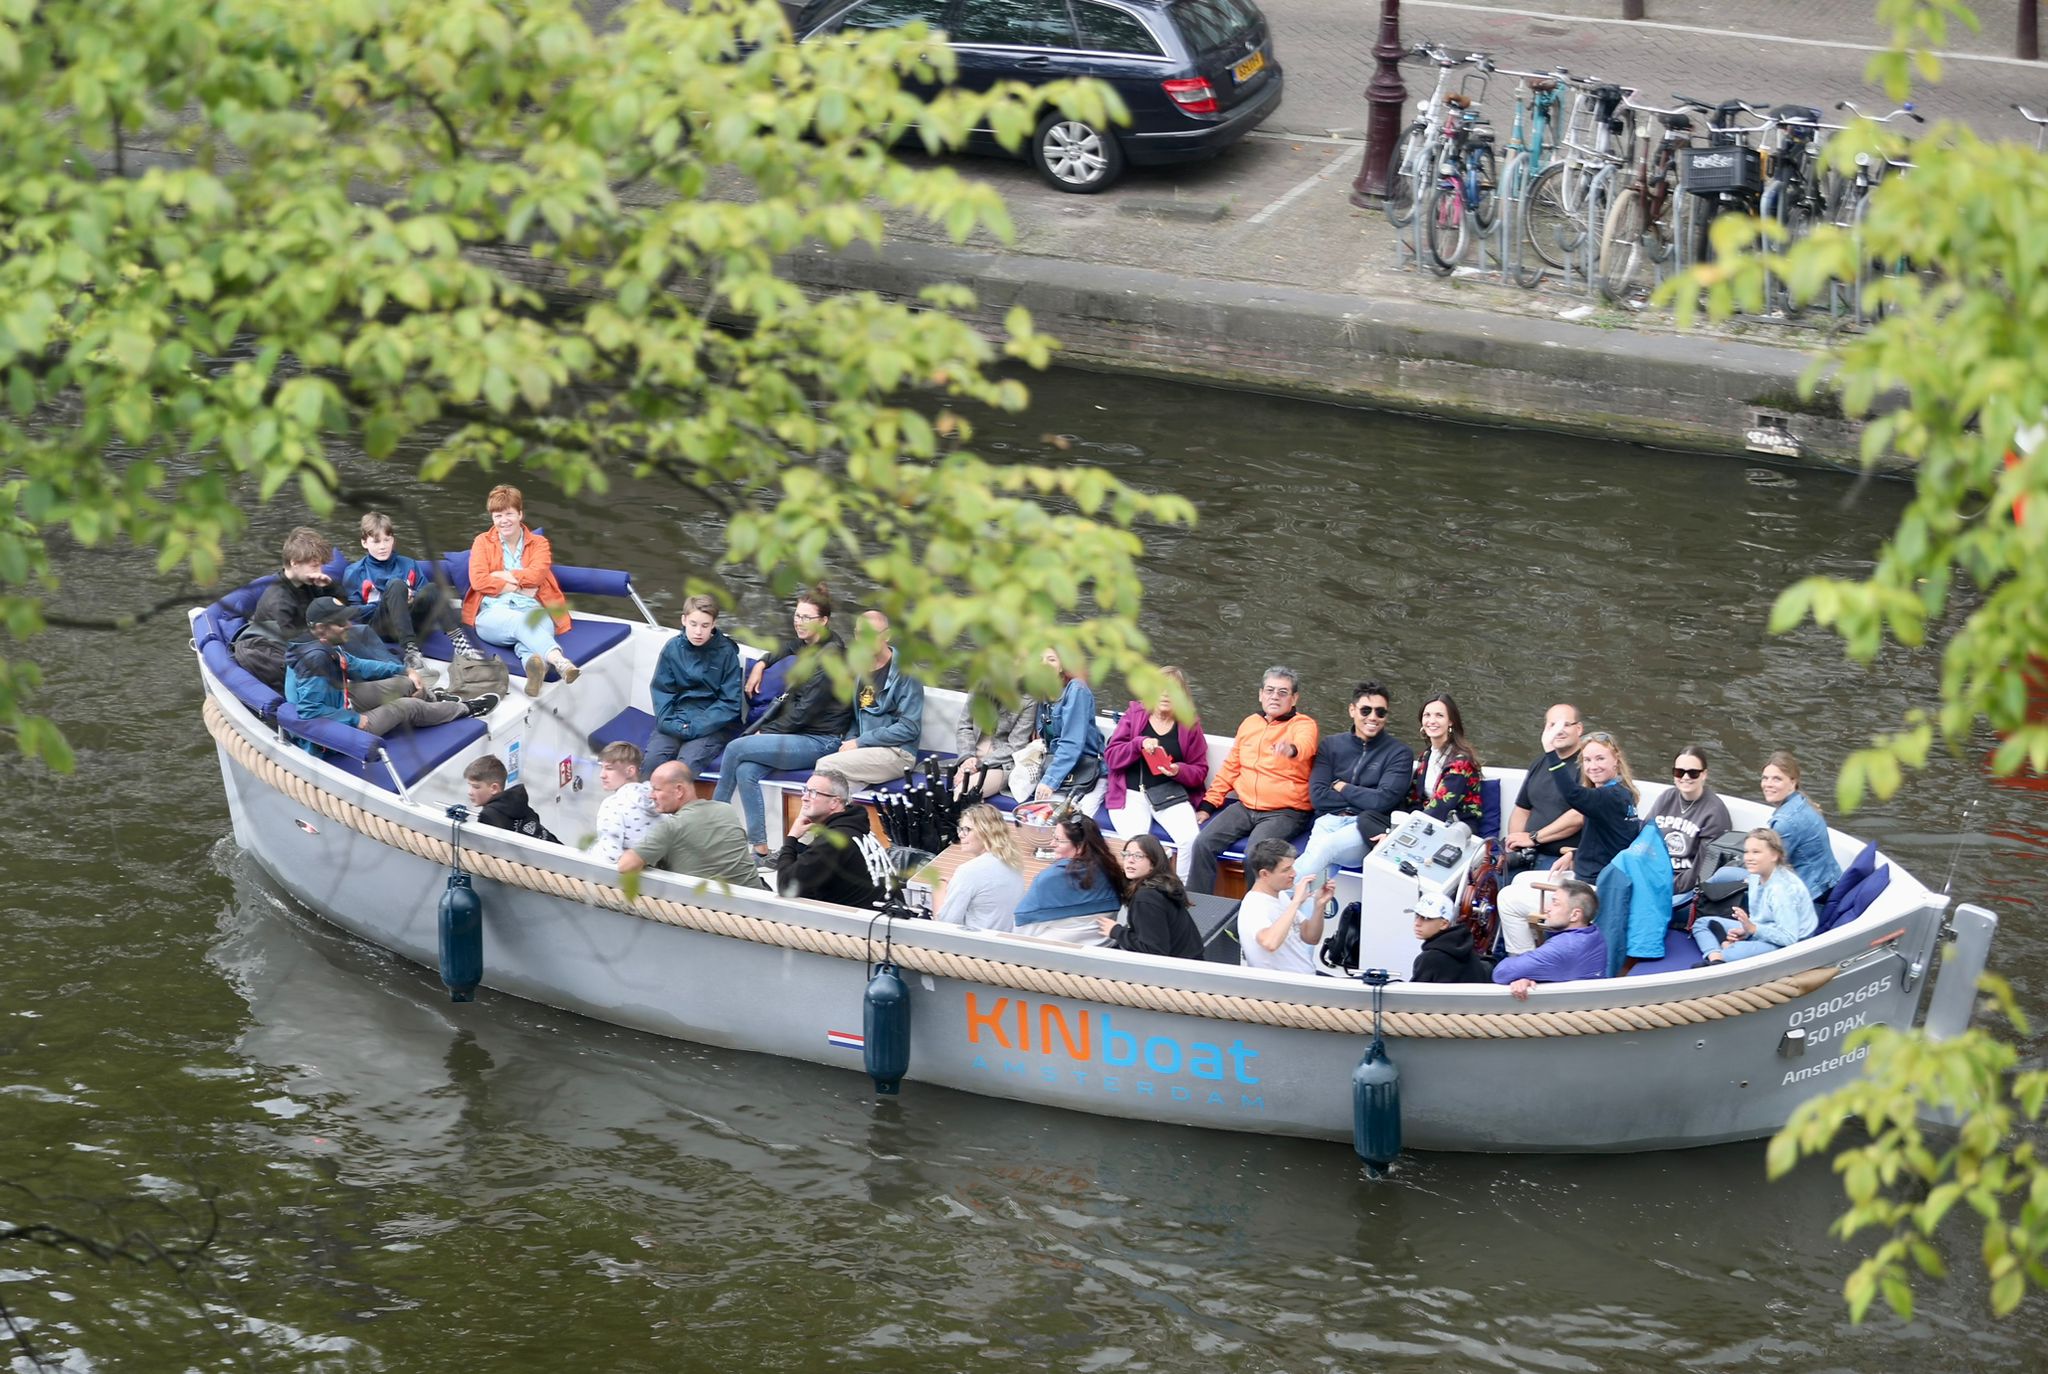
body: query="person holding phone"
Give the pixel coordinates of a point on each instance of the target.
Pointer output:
(1272, 931)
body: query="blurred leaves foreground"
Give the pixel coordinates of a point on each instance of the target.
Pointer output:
(239, 238)
(1950, 253)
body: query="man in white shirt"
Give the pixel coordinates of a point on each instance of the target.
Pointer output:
(1271, 930)
(627, 811)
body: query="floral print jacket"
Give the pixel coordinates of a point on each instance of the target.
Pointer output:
(1456, 797)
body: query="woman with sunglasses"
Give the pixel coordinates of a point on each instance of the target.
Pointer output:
(1083, 881)
(1807, 846)
(1691, 815)
(1447, 775)
(1161, 920)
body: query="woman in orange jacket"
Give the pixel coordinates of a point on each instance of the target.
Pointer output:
(513, 598)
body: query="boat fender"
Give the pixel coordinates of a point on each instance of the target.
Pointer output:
(885, 1016)
(462, 924)
(1376, 1094)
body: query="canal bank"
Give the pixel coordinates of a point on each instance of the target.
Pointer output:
(1469, 363)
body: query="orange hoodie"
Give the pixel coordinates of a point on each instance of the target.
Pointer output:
(536, 575)
(1264, 780)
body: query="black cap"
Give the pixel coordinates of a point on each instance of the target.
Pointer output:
(325, 610)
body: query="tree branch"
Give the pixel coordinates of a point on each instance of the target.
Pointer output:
(124, 620)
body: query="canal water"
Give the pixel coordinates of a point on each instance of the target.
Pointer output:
(404, 1184)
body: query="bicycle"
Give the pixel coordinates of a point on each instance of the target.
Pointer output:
(1639, 228)
(1531, 146)
(1556, 214)
(1726, 174)
(1414, 154)
(1793, 196)
(1467, 191)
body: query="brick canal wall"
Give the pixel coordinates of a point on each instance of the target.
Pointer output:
(1675, 391)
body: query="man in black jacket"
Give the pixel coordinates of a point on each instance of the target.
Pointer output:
(504, 807)
(280, 613)
(831, 865)
(1358, 779)
(806, 723)
(1447, 955)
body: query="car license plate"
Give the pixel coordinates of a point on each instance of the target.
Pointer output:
(1249, 68)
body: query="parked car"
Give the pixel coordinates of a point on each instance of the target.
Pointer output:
(1196, 75)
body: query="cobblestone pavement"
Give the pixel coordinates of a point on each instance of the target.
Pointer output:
(1810, 52)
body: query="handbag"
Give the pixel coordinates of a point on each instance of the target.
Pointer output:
(474, 677)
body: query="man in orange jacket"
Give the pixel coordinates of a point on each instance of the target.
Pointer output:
(1268, 768)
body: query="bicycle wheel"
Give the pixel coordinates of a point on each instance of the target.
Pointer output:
(1797, 217)
(1447, 231)
(1547, 222)
(1621, 245)
(1486, 207)
(1405, 177)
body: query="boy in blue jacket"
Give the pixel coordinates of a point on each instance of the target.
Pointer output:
(400, 597)
(324, 681)
(696, 693)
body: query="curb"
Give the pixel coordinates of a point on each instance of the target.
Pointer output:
(1684, 392)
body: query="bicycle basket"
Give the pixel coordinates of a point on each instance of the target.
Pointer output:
(1710, 171)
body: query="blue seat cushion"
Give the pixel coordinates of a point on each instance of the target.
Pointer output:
(414, 753)
(630, 726)
(252, 692)
(773, 680)
(585, 641)
(1489, 808)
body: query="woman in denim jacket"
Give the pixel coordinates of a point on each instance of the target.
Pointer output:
(1807, 847)
(1073, 743)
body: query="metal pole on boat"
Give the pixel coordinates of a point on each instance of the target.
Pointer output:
(1376, 1092)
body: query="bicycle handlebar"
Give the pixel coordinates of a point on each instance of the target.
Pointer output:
(1905, 109)
(2030, 116)
(1632, 104)
(1750, 107)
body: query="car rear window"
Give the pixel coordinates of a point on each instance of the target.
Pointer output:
(1211, 24)
(1018, 23)
(893, 14)
(1106, 29)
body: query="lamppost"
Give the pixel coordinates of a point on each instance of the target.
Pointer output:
(1385, 98)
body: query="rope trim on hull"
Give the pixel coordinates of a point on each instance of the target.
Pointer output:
(1515, 1025)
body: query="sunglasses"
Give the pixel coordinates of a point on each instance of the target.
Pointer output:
(1379, 711)
(1688, 773)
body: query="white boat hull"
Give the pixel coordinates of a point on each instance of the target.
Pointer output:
(1662, 1086)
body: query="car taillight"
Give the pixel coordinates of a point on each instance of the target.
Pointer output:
(1192, 94)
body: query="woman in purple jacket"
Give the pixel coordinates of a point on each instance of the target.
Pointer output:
(1156, 766)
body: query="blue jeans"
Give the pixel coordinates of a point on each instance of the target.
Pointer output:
(1709, 933)
(1333, 842)
(700, 753)
(530, 633)
(753, 757)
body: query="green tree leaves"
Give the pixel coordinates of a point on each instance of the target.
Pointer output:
(239, 241)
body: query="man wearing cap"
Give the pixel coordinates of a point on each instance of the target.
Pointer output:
(325, 681)
(1574, 949)
(1447, 954)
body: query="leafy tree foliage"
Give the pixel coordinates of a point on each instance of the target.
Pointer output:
(1952, 375)
(239, 238)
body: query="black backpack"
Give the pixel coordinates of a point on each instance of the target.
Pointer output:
(1340, 947)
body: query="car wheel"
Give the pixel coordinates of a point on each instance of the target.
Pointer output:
(1075, 155)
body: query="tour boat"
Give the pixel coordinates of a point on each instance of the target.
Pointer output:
(362, 835)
